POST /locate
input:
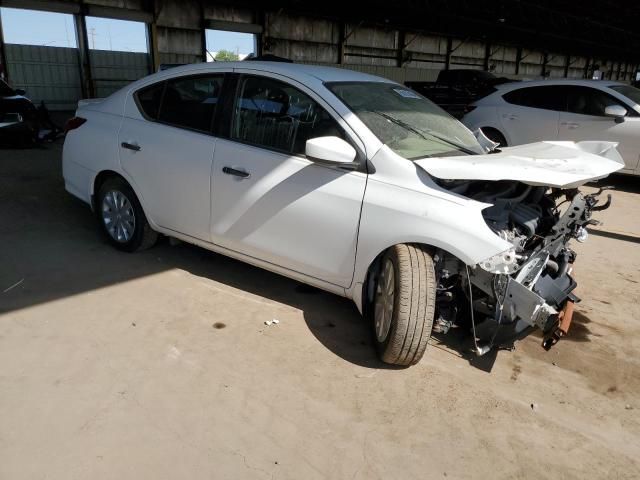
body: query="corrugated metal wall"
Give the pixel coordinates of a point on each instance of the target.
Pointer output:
(52, 74)
(49, 74)
(113, 70)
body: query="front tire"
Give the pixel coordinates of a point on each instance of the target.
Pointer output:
(121, 217)
(404, 304)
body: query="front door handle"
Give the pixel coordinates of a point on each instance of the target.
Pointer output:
(235, 171)
(571, 125)
(131, 146)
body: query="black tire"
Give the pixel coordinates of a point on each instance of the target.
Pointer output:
(142, 236)
(413, 305)
(495, 136)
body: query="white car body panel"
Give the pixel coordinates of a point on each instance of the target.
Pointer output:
(317, 207)
(552, 164)
(171, 174)
(521, 125)
(626, 134)
(316, 223)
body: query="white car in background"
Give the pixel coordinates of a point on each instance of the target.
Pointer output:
(347, 182)
(532, 111)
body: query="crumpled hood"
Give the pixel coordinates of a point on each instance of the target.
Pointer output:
(553, 164)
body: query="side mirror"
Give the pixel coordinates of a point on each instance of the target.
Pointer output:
(330, 149)
(616, 111)
(19, 91)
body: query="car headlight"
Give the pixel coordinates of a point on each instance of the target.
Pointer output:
(504, 263)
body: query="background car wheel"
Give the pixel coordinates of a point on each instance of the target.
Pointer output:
(121, 217)
(404, 304)
(495, 136)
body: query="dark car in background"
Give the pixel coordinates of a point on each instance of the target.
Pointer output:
(18, 116)
(455, 89)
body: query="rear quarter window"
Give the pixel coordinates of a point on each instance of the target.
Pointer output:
(544, 97)
(148, 100)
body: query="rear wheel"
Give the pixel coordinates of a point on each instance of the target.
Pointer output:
(495, 136)
(404, 304)
(121, 217)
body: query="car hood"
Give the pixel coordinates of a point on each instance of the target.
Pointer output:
(552, 164)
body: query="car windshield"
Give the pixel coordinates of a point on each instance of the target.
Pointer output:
(409, 124)
(632, 93)
(5, 90)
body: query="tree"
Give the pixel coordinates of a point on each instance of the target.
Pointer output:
(226, 56)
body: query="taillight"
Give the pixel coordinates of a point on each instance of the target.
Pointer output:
(73, 123)
(469, 108)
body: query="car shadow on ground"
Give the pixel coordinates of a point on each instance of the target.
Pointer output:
(334, 321)
(623, 183)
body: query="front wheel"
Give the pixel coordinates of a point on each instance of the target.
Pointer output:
(121, 217)
(404, 304)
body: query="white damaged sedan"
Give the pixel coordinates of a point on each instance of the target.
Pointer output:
(347, 182)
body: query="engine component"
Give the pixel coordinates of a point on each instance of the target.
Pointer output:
(528, 286)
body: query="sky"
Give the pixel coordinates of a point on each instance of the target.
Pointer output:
(29, 27)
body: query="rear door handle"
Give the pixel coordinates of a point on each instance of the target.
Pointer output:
(510, 116)
(571, 125)
(235, 171)
(131, 146)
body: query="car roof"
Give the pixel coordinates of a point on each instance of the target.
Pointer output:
(294, 70)
(560, 81)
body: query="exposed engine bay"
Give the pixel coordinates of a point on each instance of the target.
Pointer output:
(528, 286)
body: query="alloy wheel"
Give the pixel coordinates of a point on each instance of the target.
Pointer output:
(118, 216)
(385, 297)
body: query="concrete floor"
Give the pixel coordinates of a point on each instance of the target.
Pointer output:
(159, 365)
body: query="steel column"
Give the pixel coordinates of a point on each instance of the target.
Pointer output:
(4, 68)
(487, 56)
(88, 88)
(447, 58)
(400, 49)
(342, 32)
(518, 59)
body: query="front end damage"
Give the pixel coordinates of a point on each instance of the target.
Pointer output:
(529, 286)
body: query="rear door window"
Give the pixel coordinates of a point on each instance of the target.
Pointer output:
(190, 102)
(275, 115)
(590, 101)
(552, 97)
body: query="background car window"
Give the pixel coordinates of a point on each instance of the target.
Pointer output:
(149, 99)
(589, 101)
(547, 98)
(275, 115)
(190, 102)
(632, 93)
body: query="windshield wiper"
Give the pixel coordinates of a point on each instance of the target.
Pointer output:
(421, 133)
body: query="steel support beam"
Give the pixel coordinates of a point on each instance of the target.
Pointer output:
(400, 49)
(487, 56)
(518, 59)
(88, 88)
(4, 68)
(342, 32)
(203, 33)
(586, 68)
(259, 19)
(447, 58)
(152, 47)
(233, 26)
